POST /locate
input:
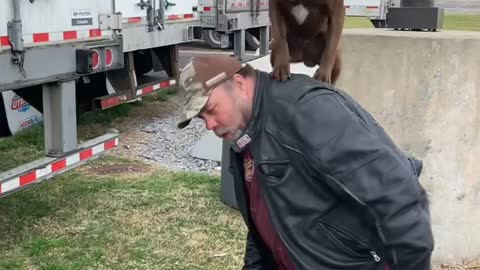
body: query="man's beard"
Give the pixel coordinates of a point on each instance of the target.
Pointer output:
(233, 135)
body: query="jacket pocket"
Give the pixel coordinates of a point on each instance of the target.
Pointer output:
(275, 172)
(344, 245)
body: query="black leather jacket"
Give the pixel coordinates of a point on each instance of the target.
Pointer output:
(340, 194)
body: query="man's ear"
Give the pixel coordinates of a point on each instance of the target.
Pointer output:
(239, 82)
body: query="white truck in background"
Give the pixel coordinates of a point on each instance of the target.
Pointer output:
(375, 10)
(63, 56)
(219, 19)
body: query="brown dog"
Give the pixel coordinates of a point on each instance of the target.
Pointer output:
(306, 31)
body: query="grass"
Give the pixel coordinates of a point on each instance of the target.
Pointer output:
(162, 95)
(147, 220)
(470, 22)
(28, 145)
(97, 217)
(25, 146)
(465, 22)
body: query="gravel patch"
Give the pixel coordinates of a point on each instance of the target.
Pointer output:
(172, 147)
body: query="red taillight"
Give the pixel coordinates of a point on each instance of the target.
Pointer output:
(95, 60)
(207, 8)
(108, 57)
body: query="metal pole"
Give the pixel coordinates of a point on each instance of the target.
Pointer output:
(239, 44)
(60, 118)
(15, 37)
(16, 26)
(264, 40)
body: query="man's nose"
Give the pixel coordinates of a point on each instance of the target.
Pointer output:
(210, 123)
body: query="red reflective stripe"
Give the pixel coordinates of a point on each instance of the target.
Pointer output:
(85, 154)
(369, 7)
(69, 35)
(173, 17)
(188, 16)
(28, 178)
(40, 37)
(110, 102)
(59, 165)
(4, 41)
(147, 89)
(109, 144)
(134, 20)
(95, 32)
(164, 84)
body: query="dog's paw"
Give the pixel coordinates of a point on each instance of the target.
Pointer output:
(323, 75)
(279, 60)
(281, 72)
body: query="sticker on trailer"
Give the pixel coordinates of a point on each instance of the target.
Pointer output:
(20, 114)
(82, 17)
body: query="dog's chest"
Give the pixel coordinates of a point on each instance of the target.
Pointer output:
(300, 13)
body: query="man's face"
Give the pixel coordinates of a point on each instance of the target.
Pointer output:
(229, 108)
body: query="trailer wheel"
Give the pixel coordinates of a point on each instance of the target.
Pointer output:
(143, 61)
(252, 39)
(4, 129)
(252, 43)
(212, 38)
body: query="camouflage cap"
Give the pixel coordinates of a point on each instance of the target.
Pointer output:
(199, 76)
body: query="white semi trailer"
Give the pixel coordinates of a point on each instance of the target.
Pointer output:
(61, 56)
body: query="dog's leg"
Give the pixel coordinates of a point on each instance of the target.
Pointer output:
(337, 67)
(336, 20)
(280, 57)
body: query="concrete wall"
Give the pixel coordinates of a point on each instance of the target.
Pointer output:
(424, 88)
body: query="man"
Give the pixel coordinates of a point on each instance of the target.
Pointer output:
(318, 181)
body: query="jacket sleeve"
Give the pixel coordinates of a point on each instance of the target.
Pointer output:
(256, 257)
(346, 152)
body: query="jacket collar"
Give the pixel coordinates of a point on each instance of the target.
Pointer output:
(261, 84)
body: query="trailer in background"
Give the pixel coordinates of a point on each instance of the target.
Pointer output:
(65, 56)
(241, 24)
(375, 10)
(220, 19)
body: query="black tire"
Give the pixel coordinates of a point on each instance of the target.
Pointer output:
(212, 38)
(252, 39)
(4, 129)
(252, 43)
(142, 61)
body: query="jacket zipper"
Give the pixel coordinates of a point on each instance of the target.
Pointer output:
(375, 256)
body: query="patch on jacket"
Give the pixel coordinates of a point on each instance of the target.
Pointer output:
(248, 167)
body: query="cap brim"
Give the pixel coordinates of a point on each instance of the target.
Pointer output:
(184, 123)
(190, 114)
